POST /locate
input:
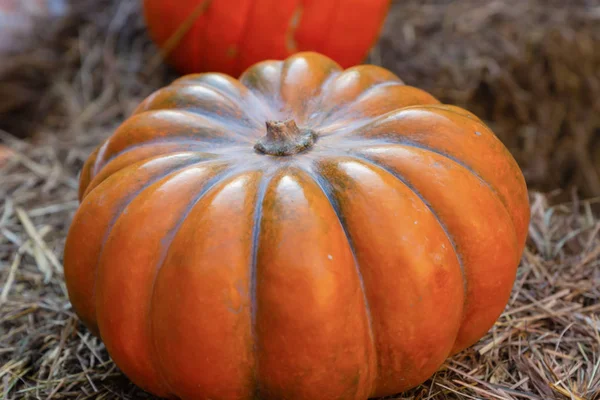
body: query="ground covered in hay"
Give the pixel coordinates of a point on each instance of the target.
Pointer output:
(98, 64)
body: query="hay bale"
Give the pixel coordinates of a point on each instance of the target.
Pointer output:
(531, 68)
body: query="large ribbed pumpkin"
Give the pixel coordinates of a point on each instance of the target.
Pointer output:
(303, 233)
(230, 35)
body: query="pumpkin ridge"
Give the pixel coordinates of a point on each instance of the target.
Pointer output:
(92, 184)
(120, 210)
(151, 144)
(138, 204)
(168, 241)
(263, 88)
(436, 110)
(325, 187)
(449, 108)
(99, 155)
(248, 98)
(310, 94)
(258, 210)
(228, 97)
(439, 109)
(169, 99)
(340, 107)
(197, 134)
(221, 121)
(317, 101)
(435, 214)
(190, 112)
(410, 143)
(171, 151)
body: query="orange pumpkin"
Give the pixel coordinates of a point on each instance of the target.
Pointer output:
(303, 233)
(230, 35)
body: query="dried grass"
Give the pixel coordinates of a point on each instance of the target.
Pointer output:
(545, 346)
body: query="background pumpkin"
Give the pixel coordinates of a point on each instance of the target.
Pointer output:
(347, 268)
(230, 35)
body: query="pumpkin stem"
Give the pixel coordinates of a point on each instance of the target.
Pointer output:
(284, 138)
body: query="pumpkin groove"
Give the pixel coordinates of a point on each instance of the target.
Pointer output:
(414, 145)
(111, 184)
(340, 242)
(406, 183)
(109, 271)
(210, 185)
(327, 191)
(260, 198)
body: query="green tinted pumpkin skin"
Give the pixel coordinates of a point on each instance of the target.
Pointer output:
(350, 269)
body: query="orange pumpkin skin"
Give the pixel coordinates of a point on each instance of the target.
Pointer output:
(230, 35)
(350, 269)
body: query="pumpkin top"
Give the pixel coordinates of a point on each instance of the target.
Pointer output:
(313, 110)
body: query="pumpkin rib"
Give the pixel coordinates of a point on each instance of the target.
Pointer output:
(102, 162)
(325, 186)
(210, 184)
(120, 210)
(440, 109)
(263, 79)
(340, 107)
(370, 90)
(221, 121)
(140, 164)
(314, 101)
(455, 111)
(314, 71)
(145, 123)
(151, 144)
(98, 179)
(129, 158)
(258, 210)
(436, 111)
(247, 95)
(146, 367)
(187, 98)
(472, 293)
(190, 112)
(368, 76)
(227, 173)
(416, 145)
(381, 214)
(405, 182)
(384, 98)
(229, 98)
